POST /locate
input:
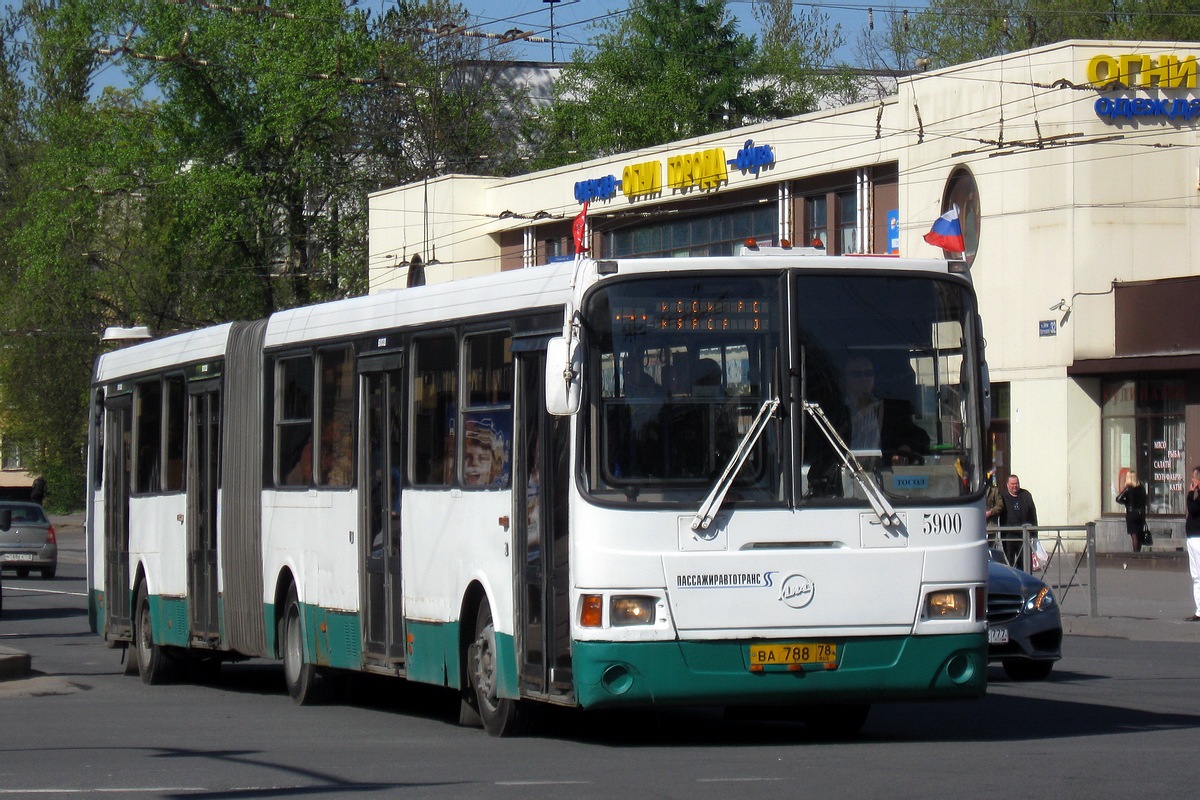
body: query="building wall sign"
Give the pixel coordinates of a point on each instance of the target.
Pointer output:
(604, 188)
(752, 159)
(642, 180)
(704, 169)
(1140, 71)
(1136, 71)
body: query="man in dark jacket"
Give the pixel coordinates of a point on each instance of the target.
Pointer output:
(1018, 510)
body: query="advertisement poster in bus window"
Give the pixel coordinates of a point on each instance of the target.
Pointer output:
(488, 448)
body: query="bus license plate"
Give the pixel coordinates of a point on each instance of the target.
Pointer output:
(801, 654)
(997, 635)
(18, 556)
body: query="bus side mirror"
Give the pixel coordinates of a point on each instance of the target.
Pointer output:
(5, 519)
(564, 365)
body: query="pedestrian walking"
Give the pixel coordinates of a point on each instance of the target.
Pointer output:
(1191, 526)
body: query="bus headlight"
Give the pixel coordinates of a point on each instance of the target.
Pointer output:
(948, 604)
(631, 610)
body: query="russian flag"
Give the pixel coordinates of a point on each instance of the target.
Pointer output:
(946, 232)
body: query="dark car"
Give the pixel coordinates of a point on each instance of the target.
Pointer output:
(1024, 625)
(27, 540)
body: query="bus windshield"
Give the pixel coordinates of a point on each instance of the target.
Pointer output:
(682, 366)
(887, 359)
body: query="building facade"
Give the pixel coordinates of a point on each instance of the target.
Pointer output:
(1075, 172)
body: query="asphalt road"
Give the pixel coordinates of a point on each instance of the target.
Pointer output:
(1119, 716)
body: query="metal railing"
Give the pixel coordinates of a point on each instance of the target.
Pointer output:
(1065, 548)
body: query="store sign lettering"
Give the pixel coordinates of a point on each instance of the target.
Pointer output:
(751, 158)
(1138, 71)
(640, 180)
(604, 188)
(1148, 109)
(705, 169)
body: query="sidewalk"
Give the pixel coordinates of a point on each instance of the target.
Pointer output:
(1142, 597)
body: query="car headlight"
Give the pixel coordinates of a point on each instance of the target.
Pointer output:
(1042, 601)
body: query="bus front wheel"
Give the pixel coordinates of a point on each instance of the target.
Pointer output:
(501, 716)
(303, 679)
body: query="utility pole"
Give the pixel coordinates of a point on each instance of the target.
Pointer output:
(551, 4)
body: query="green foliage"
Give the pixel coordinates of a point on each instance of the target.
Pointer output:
(673, 69)
(228, 181)
(951, 32)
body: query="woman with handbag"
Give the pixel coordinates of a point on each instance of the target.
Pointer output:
(1133, 497)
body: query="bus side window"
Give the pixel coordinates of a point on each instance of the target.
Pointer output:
(176, 411)
(148, 425)
(337, 417)
(434, 408)
(293, 421)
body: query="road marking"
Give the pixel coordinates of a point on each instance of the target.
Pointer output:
(148, 789)
(542, 783)
(45, 591)
(735, 780)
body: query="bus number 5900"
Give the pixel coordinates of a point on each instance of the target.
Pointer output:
(935, 524)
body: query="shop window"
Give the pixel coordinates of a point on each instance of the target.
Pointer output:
(847, 223)
(816, 221)
(1143, 431)
(714, 235)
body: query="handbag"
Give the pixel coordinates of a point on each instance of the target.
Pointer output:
(1037, 555)
(1145, 539)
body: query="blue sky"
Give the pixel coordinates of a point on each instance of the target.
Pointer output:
(573, 18)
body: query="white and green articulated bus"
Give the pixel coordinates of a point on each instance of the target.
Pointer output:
(742, 481)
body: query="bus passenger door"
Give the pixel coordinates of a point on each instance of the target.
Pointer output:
(540, 492)
(118, 445)
(381, 480)
(204, 416)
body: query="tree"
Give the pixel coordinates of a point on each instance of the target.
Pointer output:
(796, 59)
(453, 107)
(667, 70)
(951, 32)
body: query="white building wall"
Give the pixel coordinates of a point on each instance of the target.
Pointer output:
(1069, 202)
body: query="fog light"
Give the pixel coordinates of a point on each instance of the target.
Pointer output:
(948, 604)
(632, 610)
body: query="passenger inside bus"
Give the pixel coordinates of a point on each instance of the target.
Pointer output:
(880, 431)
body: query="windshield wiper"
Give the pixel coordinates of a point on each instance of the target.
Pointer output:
(883, 509)
(712, 503)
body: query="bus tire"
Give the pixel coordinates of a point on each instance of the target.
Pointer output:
(154, 663)
(303, 679)
(501, 716)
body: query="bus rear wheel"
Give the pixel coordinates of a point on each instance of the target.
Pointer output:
(501, 716)
(154, 663)
(303, 679)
